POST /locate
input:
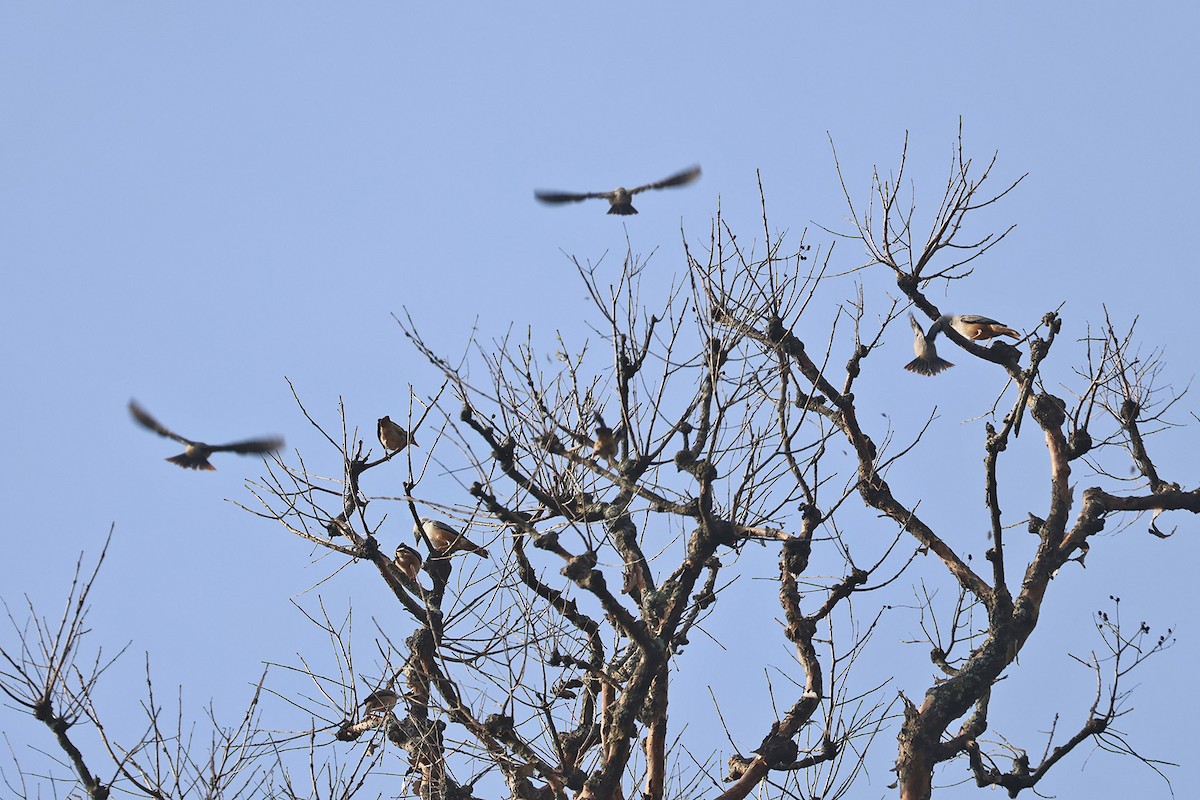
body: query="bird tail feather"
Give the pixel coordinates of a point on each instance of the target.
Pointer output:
(928, 366)
(471, 547)
(192, 462)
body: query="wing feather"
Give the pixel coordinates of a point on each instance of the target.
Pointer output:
(976, 319)
(249, 446)
(678, 179)
(568, 197)
(143, 418)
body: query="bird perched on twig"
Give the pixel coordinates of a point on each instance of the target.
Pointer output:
(408, 561)
(196, 454)
(380, 701)
(620, 199)
(445, 539)
(974, 327)
(393, 437)
(927, 361)
(606, 441)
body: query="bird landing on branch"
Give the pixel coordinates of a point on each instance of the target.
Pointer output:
(927, 361)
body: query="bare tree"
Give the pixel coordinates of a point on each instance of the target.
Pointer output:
(54, 673)
(610, 493)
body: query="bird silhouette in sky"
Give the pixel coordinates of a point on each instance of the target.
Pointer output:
(196, 454)
(975, 327)
(927, 361)
(620, 199)
(445, 539)
(392, 436)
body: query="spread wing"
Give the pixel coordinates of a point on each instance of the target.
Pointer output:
(678, 179)
(929, 335)
(146, 421)
(601, 427)
(250, 446)
(916, 326)
(568, 197)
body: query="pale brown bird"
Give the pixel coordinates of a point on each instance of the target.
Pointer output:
(606, 441)
(196, 454)
(393, 437)
(380, 701)
(975, 327)
(620, 199)
(927, 361)
(408, 561)
(445, 539)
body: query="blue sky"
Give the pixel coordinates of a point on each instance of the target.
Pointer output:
(199, 200)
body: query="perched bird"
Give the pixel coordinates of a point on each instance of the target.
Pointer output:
(606, 442)
(408, 561)
(927, 361)
(337, 526)
(975, 327)
(380, 701)
(393, 437)
(196, 454)
(445, 539)
(620, 199)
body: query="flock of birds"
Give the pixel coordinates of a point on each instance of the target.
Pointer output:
(442, 539)
(973, 327)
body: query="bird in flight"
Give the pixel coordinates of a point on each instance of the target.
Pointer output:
(927, 361)
(620, 199)
(445, 539)
(392, 436)
(196, 454)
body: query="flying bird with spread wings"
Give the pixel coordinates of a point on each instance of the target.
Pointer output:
(620, 199)
(196, 454)
(927, 361)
